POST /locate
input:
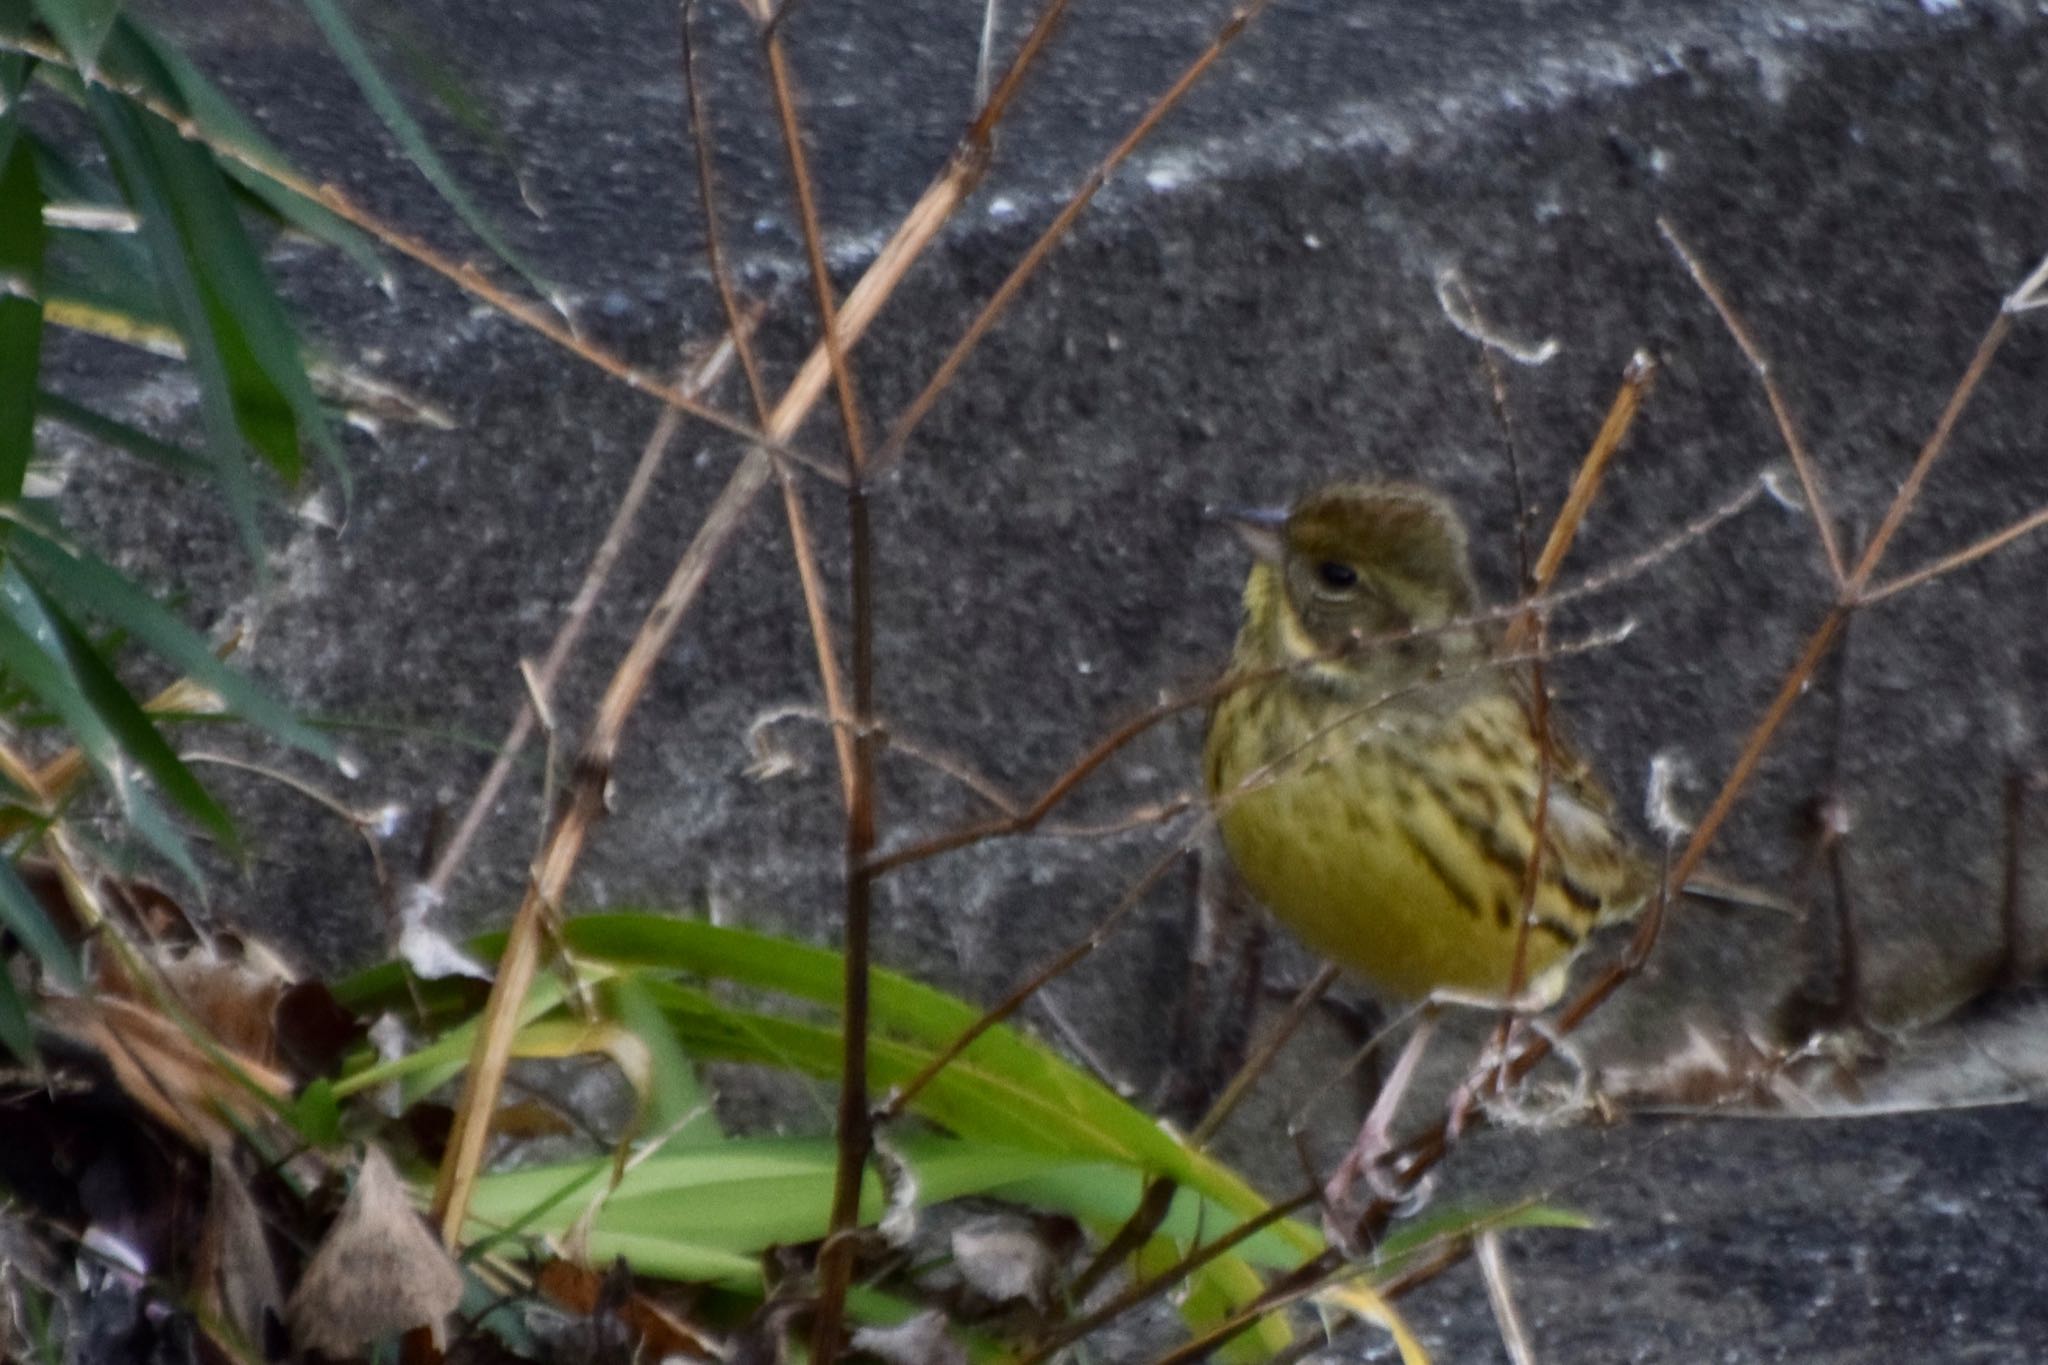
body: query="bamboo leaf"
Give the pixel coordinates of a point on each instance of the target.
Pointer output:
(33, 651)
(122, 132)
(21, 304)
(140, 741)
(89, 585)
(81, 26)
(348, 46)
(24, 917)
(675, 1095)
(257, 162)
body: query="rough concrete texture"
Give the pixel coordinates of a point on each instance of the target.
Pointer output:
(1251, 308)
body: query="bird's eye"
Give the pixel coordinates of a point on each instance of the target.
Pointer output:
(1335, 573)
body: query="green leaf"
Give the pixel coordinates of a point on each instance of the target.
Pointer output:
(33, 651)
(1004, 1091)
(738, 1196)
(91, 586)
(676, 1095)
(123, 132)
(316, 1115)
(17, 1032)
(257, 162)
(236, 332)
(349, 47)
(21, 305)
(81, 26)
(136, 733)
(23, 915)
(427, 1068)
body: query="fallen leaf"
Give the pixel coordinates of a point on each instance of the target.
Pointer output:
(237, 1278)
(659, 1328)
(379, 1272)
(188, 1088)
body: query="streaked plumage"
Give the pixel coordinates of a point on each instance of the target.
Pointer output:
(1376, 775)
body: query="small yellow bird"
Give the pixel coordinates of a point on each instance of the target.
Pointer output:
(1375, 768)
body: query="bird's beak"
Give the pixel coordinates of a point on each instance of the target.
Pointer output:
(1262, 529)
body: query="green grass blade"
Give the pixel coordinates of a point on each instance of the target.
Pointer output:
(1094, 1151)
(742, 1195)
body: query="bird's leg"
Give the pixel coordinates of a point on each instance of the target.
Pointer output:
(1375, 1137)
(1549, 1107)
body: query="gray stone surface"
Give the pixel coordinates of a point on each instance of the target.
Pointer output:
(1251, 309)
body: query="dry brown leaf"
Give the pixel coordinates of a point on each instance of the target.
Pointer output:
(660, 1330)
(378, 1273)
(235, 1001)
(237, 1277)
(182, 1085)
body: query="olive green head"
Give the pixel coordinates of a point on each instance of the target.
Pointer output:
(1358, 562)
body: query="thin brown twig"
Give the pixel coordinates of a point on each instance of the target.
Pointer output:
(1157, 1200)
(576, 618)
(1146, 1290)
(1066, 960)
(464, 275)
(802, 544)
(1949, 563)
(1450, 1254)
(1908, 495)
(1297, 1287)
(1636, 380)
(782, 85)
(364, 823)
(1262, 1058)
(521, 954)
(1006, 293)
(1851, 595)
(1637, 376)
(585, 805)
(1027, 819)
(707, 201)
(1514, 1334)
(853, 1132)
(1425, 1151)
(1781, 412)
(1030, 817)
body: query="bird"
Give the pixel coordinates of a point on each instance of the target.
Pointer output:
(1376, 769)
